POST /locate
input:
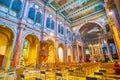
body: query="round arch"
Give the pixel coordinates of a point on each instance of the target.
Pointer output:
(93, 22)
(61, 54)
(37, 3)
(90, 32)
(29, 51)
(27, 32)
(7, 40)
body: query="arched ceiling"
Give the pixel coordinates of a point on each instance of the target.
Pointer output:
(75, 10)
(89, 28)
(90, 31)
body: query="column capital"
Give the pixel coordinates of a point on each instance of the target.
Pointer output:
(21, 26)
(17, 48)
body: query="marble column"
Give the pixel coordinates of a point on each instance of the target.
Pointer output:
(44, 22)
(18, 48)
(116, 21)
(113, 20)
(65, 38)
(83, 54)
(108, 50)
(65, 52)
(78, 54)
(56, 25)
(116, 37)
(26, 8)
(92, 48)
(56, 51)
(56, 43)
(101, 50)
(75, 53)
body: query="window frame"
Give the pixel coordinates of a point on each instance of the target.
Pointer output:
(60, 28)
(51, 19)
(37, 9)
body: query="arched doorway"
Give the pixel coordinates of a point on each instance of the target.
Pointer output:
(61, 53)
(29, 51)
(70, 57)
(91, 34)
(6, 43)
(51, 55)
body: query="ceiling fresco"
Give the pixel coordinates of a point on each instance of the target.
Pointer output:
(74, 10)
(80, 10)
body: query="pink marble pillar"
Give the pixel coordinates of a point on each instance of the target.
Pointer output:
(56, 25)
(66, 53)
(17, 48)
(45, 17)
(26, 8)
(44, 22)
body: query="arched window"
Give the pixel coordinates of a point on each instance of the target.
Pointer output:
(38, 20)
(31, 14)
(50, 23)
(69, 34)
(35, 14)
(60, 53)
(4, 5)
(60, 28)
(16, 7)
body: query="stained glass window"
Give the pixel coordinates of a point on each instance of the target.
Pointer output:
(60, 28)
(5, 2)
(31, 14)
(50, 23)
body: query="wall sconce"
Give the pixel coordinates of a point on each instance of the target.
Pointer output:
(51, 34)
(110, 13)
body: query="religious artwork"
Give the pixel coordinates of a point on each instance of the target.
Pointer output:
(25, 53)
(61, 54)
